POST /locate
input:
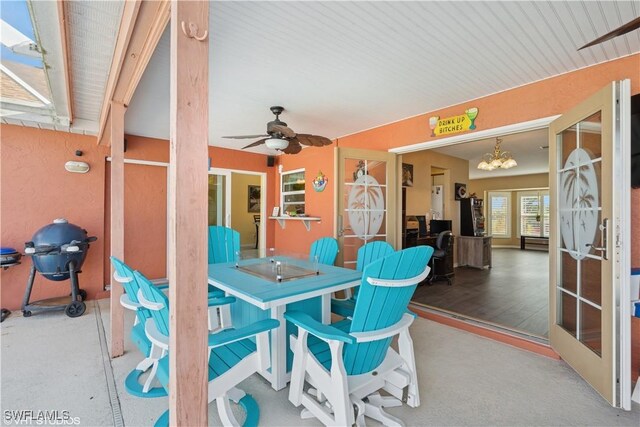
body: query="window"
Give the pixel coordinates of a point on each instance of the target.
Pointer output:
(533, 213)
(500, 214)
(292, 187)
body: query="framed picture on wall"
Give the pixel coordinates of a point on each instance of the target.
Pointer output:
(407, 175)
(254, 198)
(461, 191)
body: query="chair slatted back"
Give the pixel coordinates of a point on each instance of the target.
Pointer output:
(326, 249)
(224, 242)
(130, 288)
(379, 307)
(369, 253)
(153, 294)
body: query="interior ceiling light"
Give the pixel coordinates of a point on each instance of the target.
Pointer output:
(497, 159)
(276, 143)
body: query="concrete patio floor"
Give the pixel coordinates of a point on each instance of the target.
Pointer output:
(52, 362)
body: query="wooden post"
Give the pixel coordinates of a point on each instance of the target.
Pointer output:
(189, 111)
(117, 222)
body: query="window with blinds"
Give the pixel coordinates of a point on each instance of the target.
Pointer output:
(533, 213)
(500, 214)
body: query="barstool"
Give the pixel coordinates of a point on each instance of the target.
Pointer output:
(256, 222)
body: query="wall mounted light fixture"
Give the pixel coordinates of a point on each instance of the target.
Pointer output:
(76, 167)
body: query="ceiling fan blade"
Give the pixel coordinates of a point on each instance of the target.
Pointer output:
(245, 136)
(255, 144)
(283, 130)
(313, 140)
(624, 29)
(293, 148)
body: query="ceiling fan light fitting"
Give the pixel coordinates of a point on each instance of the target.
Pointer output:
(276, 143)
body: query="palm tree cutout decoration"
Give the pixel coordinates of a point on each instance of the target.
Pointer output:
(365, 207)
(578, 204)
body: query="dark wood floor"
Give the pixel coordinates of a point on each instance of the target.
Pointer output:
(514, 293)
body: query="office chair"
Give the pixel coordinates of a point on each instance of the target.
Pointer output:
(443, 250)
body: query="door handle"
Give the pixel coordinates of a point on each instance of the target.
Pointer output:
(340, 229)
(604, 231)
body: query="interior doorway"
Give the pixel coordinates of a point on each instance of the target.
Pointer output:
(496, 269)
(237, 199)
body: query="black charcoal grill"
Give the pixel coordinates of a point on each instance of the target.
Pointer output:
(58, 251)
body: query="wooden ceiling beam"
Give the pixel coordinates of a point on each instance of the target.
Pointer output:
(143, 23)
(64, 40)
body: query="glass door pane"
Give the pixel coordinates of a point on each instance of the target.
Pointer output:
(217, 200)
(579, 191)
(365, 205)
(365, 213)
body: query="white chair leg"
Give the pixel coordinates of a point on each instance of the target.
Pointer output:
(224, 410)
(300, 351)
(214, 322)
(378, 414)
(145, 364)
(150, 378)
(340, 400)
(360, 421)
(405, 349)
(225, 316)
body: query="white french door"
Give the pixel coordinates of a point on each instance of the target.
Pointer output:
(589, 244)
(367, 205)
(219, 197)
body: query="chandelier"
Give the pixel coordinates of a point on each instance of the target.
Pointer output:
(497, 159)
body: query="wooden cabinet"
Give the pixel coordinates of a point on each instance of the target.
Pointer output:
(474, 251)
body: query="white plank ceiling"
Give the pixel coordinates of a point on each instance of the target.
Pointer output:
(342, 67)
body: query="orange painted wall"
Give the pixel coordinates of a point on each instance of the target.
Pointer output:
(35, 190)
(295, 238)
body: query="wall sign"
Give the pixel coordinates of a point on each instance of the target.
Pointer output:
(454, 124)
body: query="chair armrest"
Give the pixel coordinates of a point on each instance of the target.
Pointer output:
(230, 335)
(320, 330)
(402, 282)
(388, 332)
(149, 304)
(126, 302)
(216, 301)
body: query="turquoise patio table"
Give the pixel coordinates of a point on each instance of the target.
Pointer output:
(260, 295)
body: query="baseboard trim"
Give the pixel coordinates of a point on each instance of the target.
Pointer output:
(487, 332)
(505, 246)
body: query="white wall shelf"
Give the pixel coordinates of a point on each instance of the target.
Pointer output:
(306, 220)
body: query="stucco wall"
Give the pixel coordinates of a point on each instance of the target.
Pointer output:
(35, 189)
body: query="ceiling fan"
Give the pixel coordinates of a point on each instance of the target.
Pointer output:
(623, 29)
(280, 137)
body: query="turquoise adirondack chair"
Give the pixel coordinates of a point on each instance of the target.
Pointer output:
(224, 246)
(124, 276)
(366, 254)
(326, 249)
(348, 362)
(234, 355)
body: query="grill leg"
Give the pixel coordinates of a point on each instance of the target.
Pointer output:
(27, 292)
(73, 275)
